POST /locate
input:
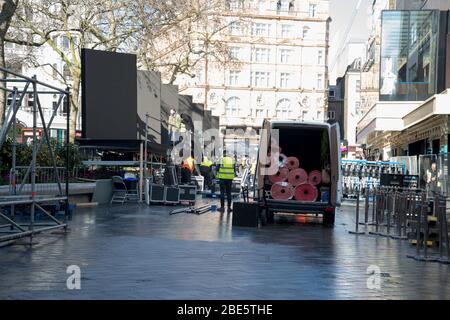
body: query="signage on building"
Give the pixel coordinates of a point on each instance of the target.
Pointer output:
(29, 132)
(399, 180)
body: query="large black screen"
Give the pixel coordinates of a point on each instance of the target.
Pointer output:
(109, 102)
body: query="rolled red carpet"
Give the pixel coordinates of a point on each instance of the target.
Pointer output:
(297, 177)
(282, 191)
(280, 176)
(306, 192)
(315, 177)
(292, 163)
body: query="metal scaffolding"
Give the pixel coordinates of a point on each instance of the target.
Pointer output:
(27, 196)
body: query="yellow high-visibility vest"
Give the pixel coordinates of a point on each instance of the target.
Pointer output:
(206, 162)
(226, 169)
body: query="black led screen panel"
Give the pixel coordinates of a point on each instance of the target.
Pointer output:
(109, 95)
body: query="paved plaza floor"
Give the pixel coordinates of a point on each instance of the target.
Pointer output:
(140, 252)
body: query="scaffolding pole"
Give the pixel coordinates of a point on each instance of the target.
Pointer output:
(32, 201)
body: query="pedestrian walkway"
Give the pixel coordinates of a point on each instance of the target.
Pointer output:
(140, 252)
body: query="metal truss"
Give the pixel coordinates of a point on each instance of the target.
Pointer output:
(26, 195)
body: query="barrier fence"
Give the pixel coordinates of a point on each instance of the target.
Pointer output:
(48, 180)
(40, 191)
(362, 174)
(406, 214)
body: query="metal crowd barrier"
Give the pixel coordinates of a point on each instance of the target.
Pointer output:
(404, 214)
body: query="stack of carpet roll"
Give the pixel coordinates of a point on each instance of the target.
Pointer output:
(293, 182)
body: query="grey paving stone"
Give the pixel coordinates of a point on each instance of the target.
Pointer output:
(141, 252)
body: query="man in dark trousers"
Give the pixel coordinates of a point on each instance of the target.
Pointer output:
(206, 172)
(226, 171)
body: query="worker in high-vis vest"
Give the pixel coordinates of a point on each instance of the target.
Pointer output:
(206, 171)
(226, 171)
(187, 169)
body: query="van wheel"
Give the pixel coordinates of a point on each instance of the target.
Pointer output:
(328, 218)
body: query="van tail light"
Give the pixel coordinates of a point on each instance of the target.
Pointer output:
(329, 210)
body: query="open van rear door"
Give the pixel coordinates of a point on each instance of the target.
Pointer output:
(264, 140)
(335, 157)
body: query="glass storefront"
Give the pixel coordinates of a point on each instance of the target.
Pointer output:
(409, 45)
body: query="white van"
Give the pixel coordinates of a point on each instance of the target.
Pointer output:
(317, 146)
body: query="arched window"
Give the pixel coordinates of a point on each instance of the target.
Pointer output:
(305, 32)
(232, 107)
(284, 109)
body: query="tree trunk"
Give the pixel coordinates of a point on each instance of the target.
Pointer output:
(7, 9)
(74, 105)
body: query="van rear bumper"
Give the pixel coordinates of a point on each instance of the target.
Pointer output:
(296, 206)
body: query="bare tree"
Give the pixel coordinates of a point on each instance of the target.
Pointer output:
(170, 36)
(67, 26)
(176, 36)
(8, 8)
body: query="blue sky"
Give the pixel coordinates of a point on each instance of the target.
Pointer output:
(341, 12)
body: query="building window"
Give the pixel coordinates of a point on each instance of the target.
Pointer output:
(358, 85)
(331, 115)
(232, 107)
(285, 80)
(63, 107)
(320, 57)
(319, 81)
(286, 55)
(284, 110)
(55, 71)
(236, 4)
(76, 41)
(286, 30)
(260, 79)
(213, 98)
(30, 99)
(319, 115)
(14, 65)
(235, 53)
(66, 73)
(305, 32)
(261, 55)
(283, 5)
(235, 28)
(312, 10)
(65, 42)
(54, 105)
(233, 79)
(357, 108)
(9, 100)
(260, 113)
(304, 114)
(262, 6)
(331, 93)
(261, 29)
(408, 64)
